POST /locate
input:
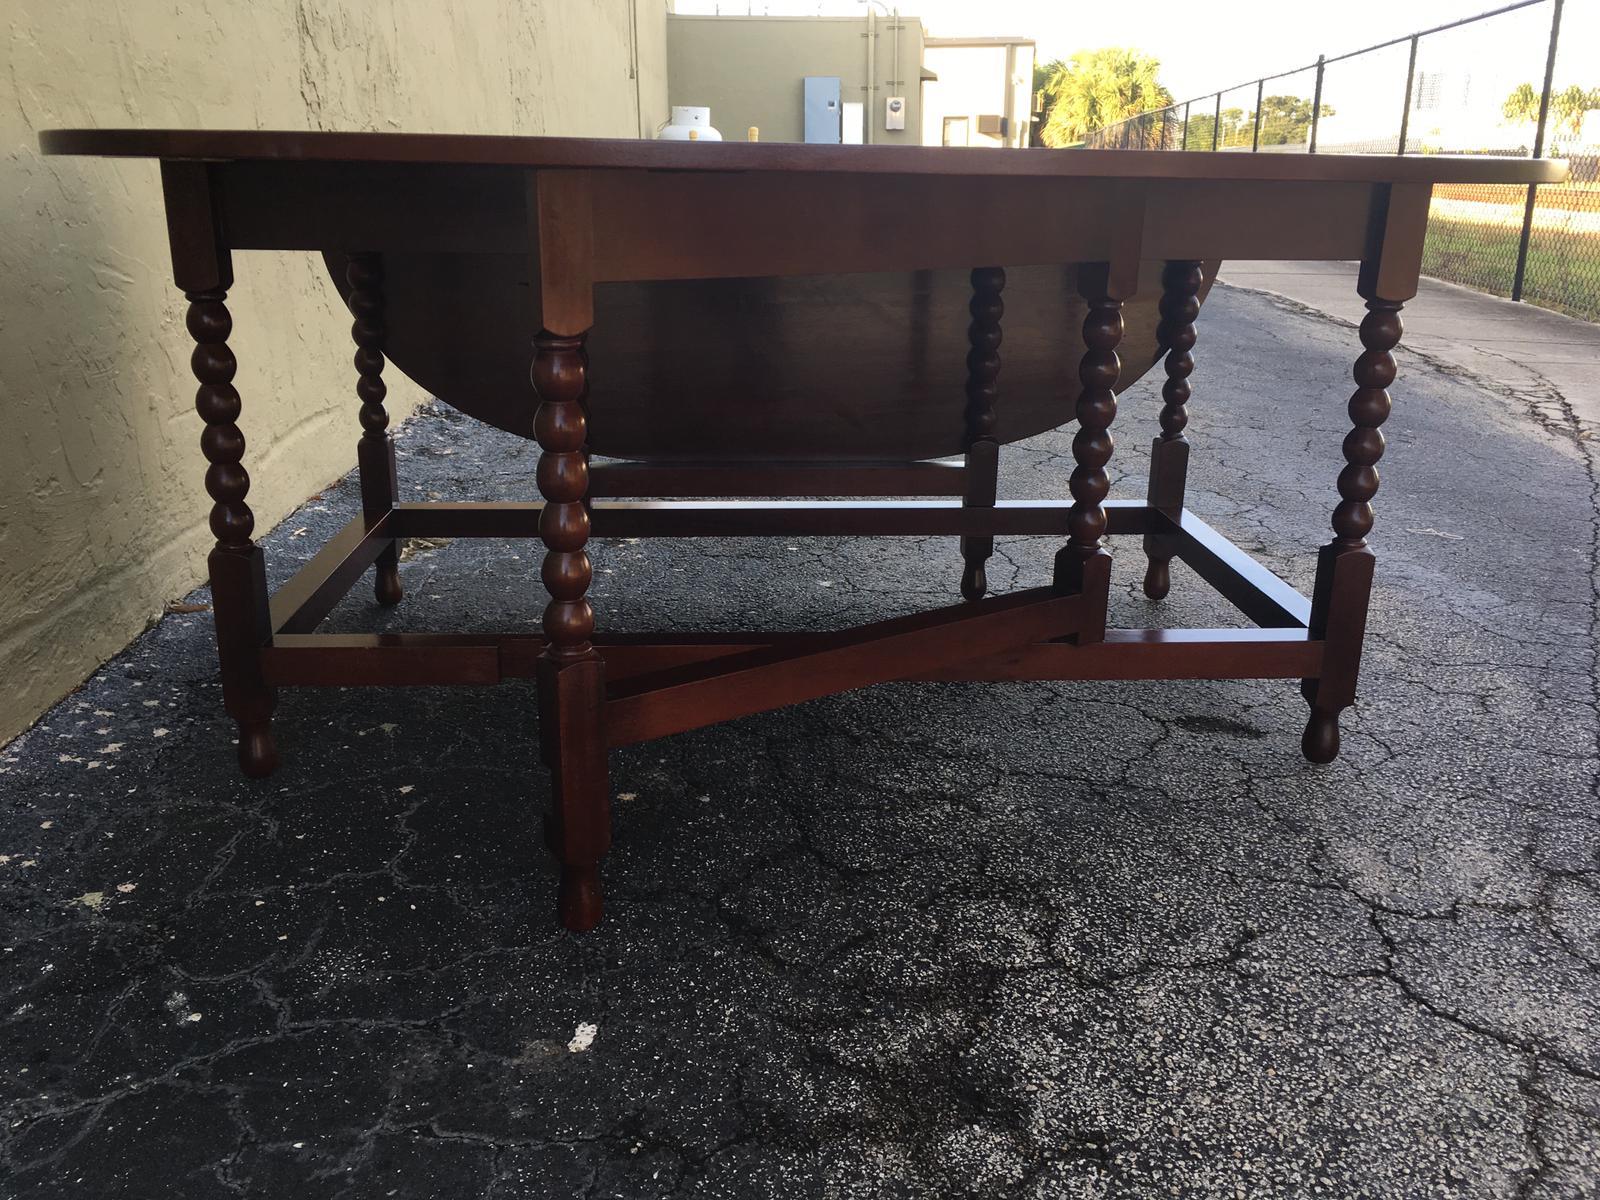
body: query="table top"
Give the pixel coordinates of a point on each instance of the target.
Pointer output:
(232, 145)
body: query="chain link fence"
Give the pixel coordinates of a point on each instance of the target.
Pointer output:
(1514, 81)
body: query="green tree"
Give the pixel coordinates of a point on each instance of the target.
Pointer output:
(1567, 108)
(1286, 120)
(1522, 105)
(1096, 88)
(1235, 128)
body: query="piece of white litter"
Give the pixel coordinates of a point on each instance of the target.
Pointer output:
(151, 703)
(192, 1017)
(93, 901)
(159, 732)
(104, 712)
(824, 583)
(125, 888)
(299, 1145)
(407, 789)
(46, 824)
(583, 1037)
(259, 903)
(111, 749)
(624, 797)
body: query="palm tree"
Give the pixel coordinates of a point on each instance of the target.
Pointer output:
(1522, 105)
(1096, 88)
(1567, 108)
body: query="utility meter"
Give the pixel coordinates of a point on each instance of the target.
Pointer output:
(894, 112)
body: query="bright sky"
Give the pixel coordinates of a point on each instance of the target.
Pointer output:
(1204, 46)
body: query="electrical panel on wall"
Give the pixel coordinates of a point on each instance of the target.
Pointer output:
(821, 109)
(894, 112)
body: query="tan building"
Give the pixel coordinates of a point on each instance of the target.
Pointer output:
(752, 71)
(102, 513)
(982, 93)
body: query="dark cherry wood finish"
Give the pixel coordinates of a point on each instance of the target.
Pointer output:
(983, 446)
(1181, 284)
(1084, 564)
(571, 671)
(1345, 565)
(769, 397)
(203, 268)
(449, 149)
(1390, 267)
(707, 375)
(375, 451)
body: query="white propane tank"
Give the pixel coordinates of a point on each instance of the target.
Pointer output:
(688, 124)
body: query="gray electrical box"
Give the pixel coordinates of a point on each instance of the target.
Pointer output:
(822, 109)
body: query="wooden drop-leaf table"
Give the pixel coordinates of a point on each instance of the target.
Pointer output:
(785, 322)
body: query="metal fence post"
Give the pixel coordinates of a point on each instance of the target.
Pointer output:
(1255, 138)
(1184, 145)
(1405, 113)
(1538, 150)
(1316, 103)
(1216, 123)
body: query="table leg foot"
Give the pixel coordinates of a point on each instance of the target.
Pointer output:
(974, 580)
(580, 906)
(258, 751)
(1158, 578)
(1320, 742)
(387, 581)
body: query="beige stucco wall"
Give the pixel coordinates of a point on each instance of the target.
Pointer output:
(750, 70)
(102, 508)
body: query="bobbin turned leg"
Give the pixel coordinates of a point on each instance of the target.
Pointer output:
(983, 448)
(571, 673)
(1344, 565)
(1397, 224)
(203, 267)
(1169, 454)
(375, 451)
(1084, 564)
(238, 569)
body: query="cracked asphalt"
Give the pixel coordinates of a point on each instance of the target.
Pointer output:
(1038, 940)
